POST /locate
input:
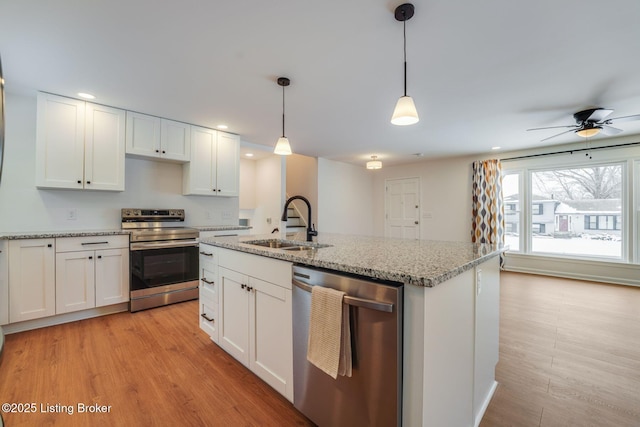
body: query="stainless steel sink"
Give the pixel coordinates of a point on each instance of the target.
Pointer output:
(287, 245)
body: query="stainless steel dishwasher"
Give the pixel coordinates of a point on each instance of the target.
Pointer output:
(372, 396)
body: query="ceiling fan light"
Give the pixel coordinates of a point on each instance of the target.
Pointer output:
(588, 132)
(282, 146)
(405, 112)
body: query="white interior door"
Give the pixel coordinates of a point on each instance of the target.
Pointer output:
(402, 204)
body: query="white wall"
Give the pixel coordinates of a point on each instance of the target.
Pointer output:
(345, 198)
(269, 195)
(148, 184)
(302, 180)
(445, 186)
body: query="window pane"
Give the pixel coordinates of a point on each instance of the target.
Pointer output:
(511, 196)
(577, 211)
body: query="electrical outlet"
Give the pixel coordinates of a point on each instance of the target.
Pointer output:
(72, 214)
(268, 220)
(227, 215)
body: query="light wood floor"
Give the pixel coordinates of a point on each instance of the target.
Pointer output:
(154, 368)
(569, 356)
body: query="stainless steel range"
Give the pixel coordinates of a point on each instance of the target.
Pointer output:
(163, 257)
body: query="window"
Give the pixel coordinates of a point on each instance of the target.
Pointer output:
(511, 197)
(536, 209)
(574, 211)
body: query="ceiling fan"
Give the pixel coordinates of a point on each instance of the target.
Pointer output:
(590, 122)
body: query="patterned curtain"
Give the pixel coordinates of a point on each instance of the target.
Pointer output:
(488, 208)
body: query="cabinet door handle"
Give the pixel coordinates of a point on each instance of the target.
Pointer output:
(79, 181)
(164, 152)
(157, 151)
(49, 245)
(88, 182)
(243, 286)
(249, 288)
(94, 243)
(205, 253)
(90, 257)
(204, 316)
(99, 256)
(214, 190)
(208, 282)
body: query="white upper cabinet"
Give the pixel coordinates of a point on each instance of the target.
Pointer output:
(175, 140)
(157, 138)
(214, 166)
(79, 145)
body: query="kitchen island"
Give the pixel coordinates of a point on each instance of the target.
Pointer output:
(450, 319)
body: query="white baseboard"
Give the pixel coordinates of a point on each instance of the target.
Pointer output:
(485, 404)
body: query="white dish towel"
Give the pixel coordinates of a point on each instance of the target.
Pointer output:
(329, 346)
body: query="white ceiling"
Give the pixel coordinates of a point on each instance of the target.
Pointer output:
(480, 72)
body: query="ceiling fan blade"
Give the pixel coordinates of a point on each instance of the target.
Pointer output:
(610, 130)
(561, 133)
(555, 127)
(624, 119)
(598, 115)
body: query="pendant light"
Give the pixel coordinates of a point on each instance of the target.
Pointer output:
(282, 146)
(405, 112)
(374, 163)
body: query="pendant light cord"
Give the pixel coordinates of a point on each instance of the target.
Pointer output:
(283, 111)
(404, 36)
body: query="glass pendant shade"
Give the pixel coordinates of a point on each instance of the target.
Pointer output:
(405, 112)
(282, 146)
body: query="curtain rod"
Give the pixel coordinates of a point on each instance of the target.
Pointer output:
(577, 150)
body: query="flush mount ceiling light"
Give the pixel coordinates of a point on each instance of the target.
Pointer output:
(86, 95)
(282, 146)
(405, 112)
(374, 163)
(588, 131)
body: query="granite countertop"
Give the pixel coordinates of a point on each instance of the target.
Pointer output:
(66, 233)
(412, 262)
(106, 232)
(221, 227)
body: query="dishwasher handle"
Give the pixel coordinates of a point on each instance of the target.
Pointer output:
(355, 301)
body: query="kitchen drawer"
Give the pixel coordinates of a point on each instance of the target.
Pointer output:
(89, 243)
(208, 257)
(208, 319)
(208, 292)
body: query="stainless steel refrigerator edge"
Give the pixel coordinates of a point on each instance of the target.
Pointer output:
(372, 396)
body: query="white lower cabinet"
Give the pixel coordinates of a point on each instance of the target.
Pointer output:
(209, 291)
(94, 277)
(4, 283)
(32, 280)
(255, 315)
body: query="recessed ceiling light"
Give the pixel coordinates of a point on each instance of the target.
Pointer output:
(86, 95)
(495, 148)
(222, 127)
(249, 154)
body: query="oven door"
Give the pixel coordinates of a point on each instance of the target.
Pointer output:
(157, 264)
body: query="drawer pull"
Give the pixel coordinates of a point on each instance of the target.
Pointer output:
(205, 253)
(204, 316)
(209, 282)
(94, 243)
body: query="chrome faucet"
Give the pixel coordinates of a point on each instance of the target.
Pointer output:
(311, 231)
